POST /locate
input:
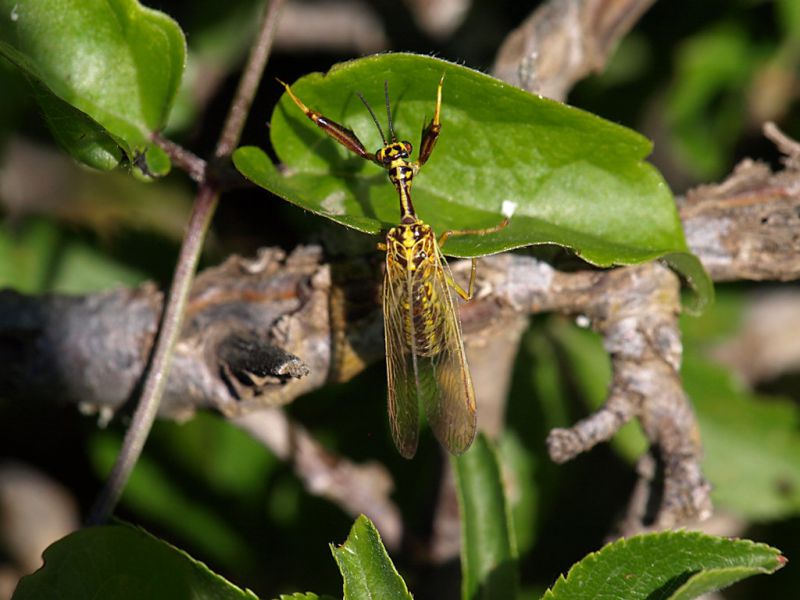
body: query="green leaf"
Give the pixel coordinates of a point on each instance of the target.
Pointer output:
(367, 570)
(668, 565)
(122, 562)
(79, 135)
(115, 61)
(578, 181)
(488, 553)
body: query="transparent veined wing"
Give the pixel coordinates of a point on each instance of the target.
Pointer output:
(444, 382)
(430, 368)
(402, 383)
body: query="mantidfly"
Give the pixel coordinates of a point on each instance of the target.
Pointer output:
(424, 351)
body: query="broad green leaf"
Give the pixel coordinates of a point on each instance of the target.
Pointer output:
(366, 568)
(115, 61)
(488, 552)
(578, 181)
(76, 132)
(124, 563)
(669, 565)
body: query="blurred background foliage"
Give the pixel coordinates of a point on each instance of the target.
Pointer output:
(697, 78)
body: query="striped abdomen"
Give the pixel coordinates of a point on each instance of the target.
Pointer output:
(412, 265)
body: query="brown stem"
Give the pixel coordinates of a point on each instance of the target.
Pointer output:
(193, 165)
(202, 212)
(156, 377)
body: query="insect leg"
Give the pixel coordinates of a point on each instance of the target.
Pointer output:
(488, 230)
(467, 295)
(346, 137)
(431, 133)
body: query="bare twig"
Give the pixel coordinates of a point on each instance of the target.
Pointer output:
(190, 163)
(789, 147)
(283, 301)
(746, 227)
(158, 371)
(640, 332)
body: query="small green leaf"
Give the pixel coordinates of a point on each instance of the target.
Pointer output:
(488, 553)
(367, 570)
(117, 62)
(124, 563)
(668, 565)
(577, 180)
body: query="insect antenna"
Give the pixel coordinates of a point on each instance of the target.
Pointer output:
(374, 118)
(388, 109)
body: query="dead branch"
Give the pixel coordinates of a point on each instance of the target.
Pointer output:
(290, 315)
(747, 227)
(302, 322)
(261, 332)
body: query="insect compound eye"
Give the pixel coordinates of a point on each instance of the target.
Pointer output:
(408, 148)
